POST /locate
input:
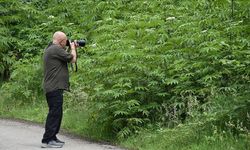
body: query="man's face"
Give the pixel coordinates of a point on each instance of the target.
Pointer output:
(63, 42)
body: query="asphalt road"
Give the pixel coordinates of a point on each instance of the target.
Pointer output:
(16, 135)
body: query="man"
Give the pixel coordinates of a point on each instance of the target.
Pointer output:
(56, 80)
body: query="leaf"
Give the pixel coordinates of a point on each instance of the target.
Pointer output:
(120, 113)
(169, 81)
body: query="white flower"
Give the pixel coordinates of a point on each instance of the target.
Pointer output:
(149, 30)
(203, 31)
(170, 18)
(51, 17)
(93, 45)
(109, 19)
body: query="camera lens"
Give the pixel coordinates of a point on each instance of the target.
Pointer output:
(81, 43)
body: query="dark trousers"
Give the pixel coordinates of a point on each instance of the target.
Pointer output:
(54, 117)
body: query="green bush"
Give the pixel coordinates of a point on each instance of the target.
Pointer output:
(160, 68)
(25, 84)
(145, 62)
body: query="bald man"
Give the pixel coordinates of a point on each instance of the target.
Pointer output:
(56, 80)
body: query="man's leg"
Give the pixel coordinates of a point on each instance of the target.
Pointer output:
(53, 122)
(60, 120)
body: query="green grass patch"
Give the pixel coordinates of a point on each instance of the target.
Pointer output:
(75, 118)
(186, 137)
(200, 135)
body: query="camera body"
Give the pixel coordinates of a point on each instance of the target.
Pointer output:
(80, 43)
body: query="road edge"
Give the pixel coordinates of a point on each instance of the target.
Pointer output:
(63, 132)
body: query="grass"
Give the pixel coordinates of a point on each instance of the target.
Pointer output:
(31, 112)
(224, 127)
(75, 119)
(189, 136)
(186, 138)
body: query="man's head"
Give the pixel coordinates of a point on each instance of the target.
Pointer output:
(60, 38)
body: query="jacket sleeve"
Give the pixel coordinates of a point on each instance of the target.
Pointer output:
(63, 55)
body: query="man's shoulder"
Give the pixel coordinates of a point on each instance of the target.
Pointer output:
(53, 49)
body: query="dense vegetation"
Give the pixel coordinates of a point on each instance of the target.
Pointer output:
(151, 69)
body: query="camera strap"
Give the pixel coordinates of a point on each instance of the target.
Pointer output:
(72, 67)
(76, 61)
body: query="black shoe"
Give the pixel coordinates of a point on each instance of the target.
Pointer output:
(52, 144)
(59, 141)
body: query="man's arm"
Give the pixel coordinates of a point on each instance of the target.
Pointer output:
(73, 52)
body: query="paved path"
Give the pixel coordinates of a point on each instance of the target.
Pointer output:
(16, 135)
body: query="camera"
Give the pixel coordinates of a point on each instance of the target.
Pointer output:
(80, 43)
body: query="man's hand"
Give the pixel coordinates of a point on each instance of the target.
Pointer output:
(73, 45)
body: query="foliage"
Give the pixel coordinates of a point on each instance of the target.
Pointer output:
(25, 83)
(164, 63)
(14, 45)
(146, 61)
(186, 137)
(217, 129)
